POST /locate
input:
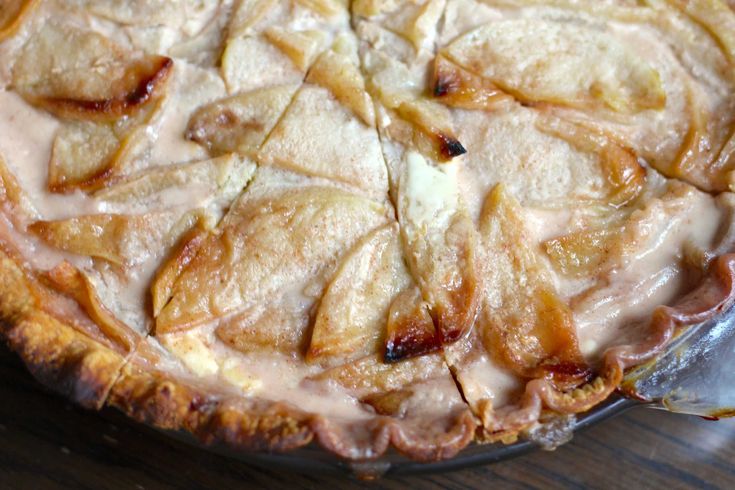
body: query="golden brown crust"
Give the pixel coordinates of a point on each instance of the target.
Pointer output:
(169, 402)
(57, 354)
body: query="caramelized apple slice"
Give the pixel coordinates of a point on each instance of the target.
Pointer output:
(301, 46)
(222, 178)
(341, 76)
(371, 375)
(335, 137)
(457, 87)
(410, 331)
(240, 123)
(70, 281)
(12, 14)
(83, 75)
(351, 318)
(433, 129)
(542, 60)
(440, 245)
(267, 248)
(185, 251)
(523, 323)
(625, 176)
(123, 240)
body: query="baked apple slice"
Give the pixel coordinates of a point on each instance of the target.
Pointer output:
(70, 281)
(82, 75)
(88, 155)
(351, 319)
(440, 247)
(416, 121)
(106, 95)
(12, 14)
(221, 178)
(542, 60)
(240, 123)
(523, 323)
(625, 176)
(124, 240)
(337, 70)
(264, 249)
(456, 87)
(335, 136)
(300, 46)
(370, 374)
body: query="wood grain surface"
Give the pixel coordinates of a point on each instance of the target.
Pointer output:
(47, 443)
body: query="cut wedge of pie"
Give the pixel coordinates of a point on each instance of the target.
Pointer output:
(369, 224)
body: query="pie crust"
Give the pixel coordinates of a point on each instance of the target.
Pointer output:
(368, 224)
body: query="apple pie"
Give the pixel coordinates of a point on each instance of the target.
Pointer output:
(370, 224)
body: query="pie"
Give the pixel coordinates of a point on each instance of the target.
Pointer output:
(368, 224)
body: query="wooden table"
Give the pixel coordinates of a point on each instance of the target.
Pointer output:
(47, 443)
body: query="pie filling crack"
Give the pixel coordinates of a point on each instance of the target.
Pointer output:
(370, 224)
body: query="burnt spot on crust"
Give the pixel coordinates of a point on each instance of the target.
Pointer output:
(143, 79)
(450, 147)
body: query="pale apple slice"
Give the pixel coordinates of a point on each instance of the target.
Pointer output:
(440, 244)
(12, 15)
(523, 322)
(13, 197)
(543, 60)
(170, 13)
(121, 239)
(625, 176)
(83, 75)
(301, 46)
(414, 21)
(716, 17)
(240, 123)
(247, 15)
(271, 247)
(578, 253)
(341, 76)
(371, 375)
(325, 8)
(371, 8)
(88, 155)
(249, 63)
(353, 312)
(340, 147)
(219, 178)
(279, 328)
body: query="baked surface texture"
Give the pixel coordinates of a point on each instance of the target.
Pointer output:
(367, 224)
